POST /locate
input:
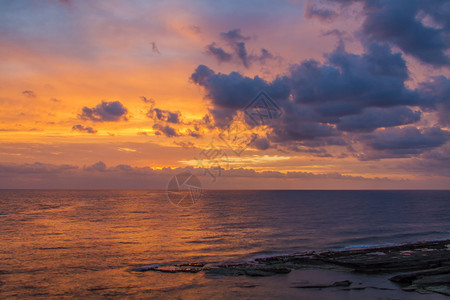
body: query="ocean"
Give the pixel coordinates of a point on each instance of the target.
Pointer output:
(84, 244)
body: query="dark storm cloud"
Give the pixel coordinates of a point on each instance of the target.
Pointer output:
(418, 28)
(83, 128)
(105, 111)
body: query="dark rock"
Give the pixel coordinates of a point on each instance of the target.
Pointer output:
(430, 262)
(247, 269)
(344, 283)
(417, 256)
(433, 280)
(360, 288)
(410, 277)
(177, 268)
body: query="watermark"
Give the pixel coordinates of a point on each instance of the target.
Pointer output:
(238, 136)
(262, 109)
(184, 189)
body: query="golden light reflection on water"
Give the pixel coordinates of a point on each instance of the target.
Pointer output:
(62, 243)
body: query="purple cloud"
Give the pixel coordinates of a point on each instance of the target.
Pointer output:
(105, 112)
(82, 128)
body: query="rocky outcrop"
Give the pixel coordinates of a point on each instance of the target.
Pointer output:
(430, 262)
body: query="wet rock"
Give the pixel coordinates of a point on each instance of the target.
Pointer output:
(177, 268)
(247, 269)
(344, 283)
(432, 283)
(410, 277)
(430, 262)
(441, 289)
(417, 256)
(360, 288)
(434, 280)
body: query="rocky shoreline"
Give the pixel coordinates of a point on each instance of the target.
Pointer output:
(423, 267)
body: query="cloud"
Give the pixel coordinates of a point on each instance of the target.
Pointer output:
(418, 28)
(334, 102)
(164, 115)
(238, 53)
(105, 112)
(34, 168)
(403, 142)
(147, 100)
(101, 176)
(83, 128)
(347, 82)
(29, 94)
(234, 35)
(265, 55)
(437, 93)
(232, 92)
(396, 22)
(346, 89)
(161, 115)
(373, 118)
(165, 130)
(261, 143)
(97, 167)
(220, 54)
(320, 10)
(165, 120)
(185, 145)
(237, 41)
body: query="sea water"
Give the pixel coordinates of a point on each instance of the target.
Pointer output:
(72, 243)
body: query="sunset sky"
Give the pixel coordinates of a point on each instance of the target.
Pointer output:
(126, 94)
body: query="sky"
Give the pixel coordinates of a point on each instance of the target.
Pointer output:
(295, 94)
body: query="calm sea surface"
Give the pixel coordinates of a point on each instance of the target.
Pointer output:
(57, 244)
